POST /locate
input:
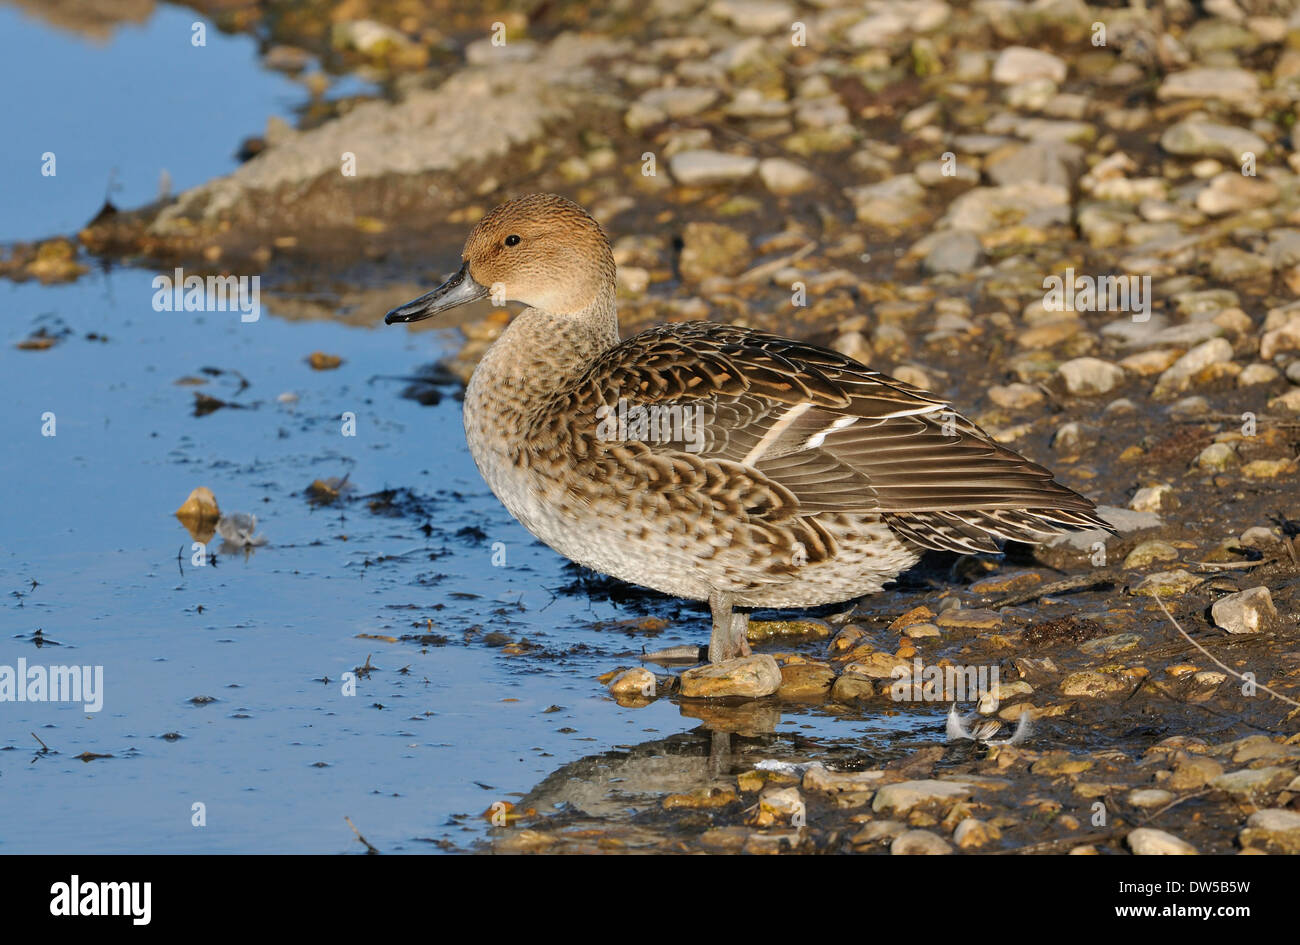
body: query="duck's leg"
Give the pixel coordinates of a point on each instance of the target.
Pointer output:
(730, 629)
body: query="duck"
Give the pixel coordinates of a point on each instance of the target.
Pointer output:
(714, 462)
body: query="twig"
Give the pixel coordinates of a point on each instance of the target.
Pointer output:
(1079, 582)
(44, 747)
(1219, 663)
(370, 849)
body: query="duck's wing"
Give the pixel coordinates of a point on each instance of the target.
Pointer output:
(818, 431)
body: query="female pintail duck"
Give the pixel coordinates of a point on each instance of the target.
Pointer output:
(713, 462)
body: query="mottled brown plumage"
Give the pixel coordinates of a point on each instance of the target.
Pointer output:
(715, 462)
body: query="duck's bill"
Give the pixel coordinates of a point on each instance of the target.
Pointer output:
(457, 290)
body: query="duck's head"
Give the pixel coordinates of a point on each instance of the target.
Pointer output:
(541, 250)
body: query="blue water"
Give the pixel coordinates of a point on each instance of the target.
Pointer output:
(92, 557)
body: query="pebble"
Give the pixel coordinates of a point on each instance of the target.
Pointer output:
(749, 676)
(1195, 137)
(1150, 797)
(904, 796)
(1147, 841)
(919, 842)
(633, 683)
(1252, 781)
(1089, 684)
(806, 680)
(1022, 64)
(971, 833)
(698, 168)
(784, 177)
(1089, 377)
(1154, 498)
(1273, 829)
(1179, 376)
(1248, 611)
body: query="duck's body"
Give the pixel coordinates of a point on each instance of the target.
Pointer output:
(719, 463)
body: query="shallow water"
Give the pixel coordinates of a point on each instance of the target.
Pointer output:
(281, 756)
(95, 570)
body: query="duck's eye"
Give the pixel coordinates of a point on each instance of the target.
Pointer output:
(512, 240)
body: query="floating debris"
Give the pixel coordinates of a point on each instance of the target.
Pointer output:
(976, 728)
(238, 530)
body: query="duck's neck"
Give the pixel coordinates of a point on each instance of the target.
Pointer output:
(538, 355)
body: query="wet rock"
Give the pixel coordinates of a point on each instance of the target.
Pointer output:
(972, 833)
(1236, 86)
(1273, 829)
(1150, 551)
(955, 251)
(1252, 781)
(877, 831)
(698, 168)
(1280, 334)
(961, 618)
(806, 681)
(1249, 611)
(1168, 583)
(876, 666)
(784, 177)
(1088, 684)
(1290, 401)
(1199, 138)
(1016, 396)
(919, 842)
(1147, 841)
(749, 676)
(1217, 457)
(1179, 376)
(320, 361)
(904, 796)
(1115, 643)
(1231, 192)
(1194, 772)
(760, 17)
(199, 506)
(1148, 798)
(821, 779)
(990, 208)
(633, 683)
(1023, 64)
(779, 805)
(1044, 162)
(895, 202)
(1089, 377)
(704, 798)
(657, 105)
(712, 249)
(1154, 498)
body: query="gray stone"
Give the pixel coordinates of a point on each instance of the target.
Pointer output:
(956, 251)
(1248, 611)
(1198, 138)
(919, 842)
(696, 168)
(749, 676)
(1147, 841)
(1022, 64)
(1088, 377)
(903, 796)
